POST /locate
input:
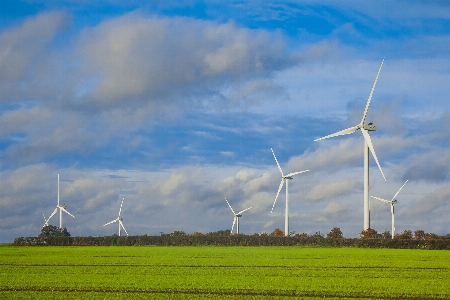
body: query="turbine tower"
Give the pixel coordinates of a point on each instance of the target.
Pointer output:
(119, 219)
(392, 202)
(367, 146)
(283, 179)
(61, 209)
(236, 217)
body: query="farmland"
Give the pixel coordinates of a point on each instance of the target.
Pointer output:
(222, 273)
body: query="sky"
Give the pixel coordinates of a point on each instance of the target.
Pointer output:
(175, 105)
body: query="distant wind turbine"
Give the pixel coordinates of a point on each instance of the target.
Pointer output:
(283, 179)
(236, 217)
(119, 219)
(392, 202)
(61, 209)
(367, 145)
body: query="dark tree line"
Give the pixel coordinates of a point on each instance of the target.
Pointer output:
(368, 239)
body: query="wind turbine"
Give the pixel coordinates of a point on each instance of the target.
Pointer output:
(283, 179)
(119, 219)
(61, 209)
(367, 146)
(236, 217)
(392, 202)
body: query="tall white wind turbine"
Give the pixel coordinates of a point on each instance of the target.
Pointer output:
(236, 217)
(119, 219)
(283, 179)
(392, 202)
(365, 128)
(61, 209)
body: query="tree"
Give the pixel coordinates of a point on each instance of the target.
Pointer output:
(277, 232)
(197, 233)
(317, 235)
(301, 235)
(335, 233)
(226, 232)
(432, 236)
(178, 233)
(51, 230)
(405, 235)
(419, 235)
(369, 233)
(386, 234)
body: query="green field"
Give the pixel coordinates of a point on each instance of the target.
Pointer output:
(222, 273)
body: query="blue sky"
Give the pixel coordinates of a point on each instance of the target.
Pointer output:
(175, 105)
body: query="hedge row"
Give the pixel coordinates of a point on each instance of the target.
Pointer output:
(232, 240)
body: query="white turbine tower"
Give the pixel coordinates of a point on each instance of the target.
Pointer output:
(392, 202)
(367, 146)
(283, 179)
(236, 217)
(119, 219)
(61, 209)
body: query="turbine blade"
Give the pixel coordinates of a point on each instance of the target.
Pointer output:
(369, 143)
(121, 224)
(279, 189)
(384, 200)
(64, 210)
(243, 210)
(371, 93)
(399, 190)
(234, 221)
(295, 173)
(342, 132)
(230, 206)
(46, 221)
(113, 221)
(121, 206)
(279, 167)
(53, 213)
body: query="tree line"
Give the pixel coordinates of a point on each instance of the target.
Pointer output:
(368, 239)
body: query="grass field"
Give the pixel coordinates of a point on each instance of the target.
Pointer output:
(222, 273)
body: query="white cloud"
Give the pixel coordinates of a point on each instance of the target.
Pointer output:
(324, 191)
(150, 58)
(21, 46)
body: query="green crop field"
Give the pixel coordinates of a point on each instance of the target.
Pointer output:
(222, 273)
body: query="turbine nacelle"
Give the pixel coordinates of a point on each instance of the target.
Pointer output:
(370, 126)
